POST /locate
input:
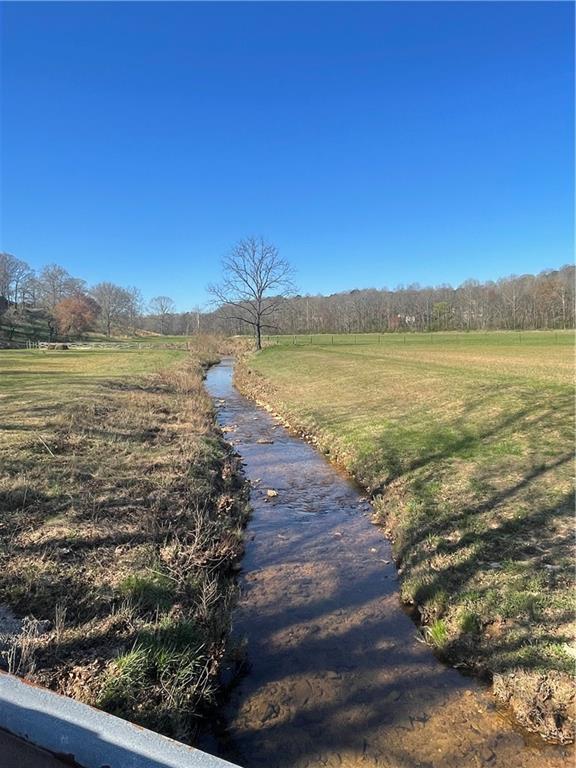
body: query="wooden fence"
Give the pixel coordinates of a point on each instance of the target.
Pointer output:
(105, 345)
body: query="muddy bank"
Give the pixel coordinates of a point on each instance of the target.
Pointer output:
(336, 674)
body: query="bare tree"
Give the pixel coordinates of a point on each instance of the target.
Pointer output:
(197, 312)
(13, 273)
(22, 274)
(256, 280)
(135, 308)
(115, 303)
(162, 307)
(55, 284)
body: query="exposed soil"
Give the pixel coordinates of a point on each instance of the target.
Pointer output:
(337, 673)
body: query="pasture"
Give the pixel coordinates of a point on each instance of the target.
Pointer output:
(465, 441)
(33, 373)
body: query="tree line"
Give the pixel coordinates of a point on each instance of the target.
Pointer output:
(71, 307)
(543, 301)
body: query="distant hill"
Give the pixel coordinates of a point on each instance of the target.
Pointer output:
(19, 325)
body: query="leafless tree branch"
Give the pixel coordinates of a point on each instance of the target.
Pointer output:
(255, 281)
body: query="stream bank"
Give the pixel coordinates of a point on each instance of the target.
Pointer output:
(336, 675)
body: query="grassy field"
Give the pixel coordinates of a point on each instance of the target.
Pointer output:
(466, 443)
(121, 515)
(34, 374)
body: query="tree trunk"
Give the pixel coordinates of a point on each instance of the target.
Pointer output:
(258, 336)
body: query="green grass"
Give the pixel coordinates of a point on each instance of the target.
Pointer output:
(173, 653)
(152, 590)
(30, 375)
(466, 443)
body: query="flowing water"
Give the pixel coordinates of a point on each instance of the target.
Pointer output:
(337, 675)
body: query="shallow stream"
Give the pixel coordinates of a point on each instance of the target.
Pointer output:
(337, 674)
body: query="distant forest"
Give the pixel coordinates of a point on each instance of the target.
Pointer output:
(70, 308)
(542, 301)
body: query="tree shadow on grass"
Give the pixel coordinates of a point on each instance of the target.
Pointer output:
(404, 448)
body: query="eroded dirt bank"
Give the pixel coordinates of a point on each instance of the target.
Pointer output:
(336, 673)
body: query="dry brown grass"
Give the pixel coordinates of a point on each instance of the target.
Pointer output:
(122, 516)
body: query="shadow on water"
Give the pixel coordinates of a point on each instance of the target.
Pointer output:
(336, 674)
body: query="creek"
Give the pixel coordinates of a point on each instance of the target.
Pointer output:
(337, 672)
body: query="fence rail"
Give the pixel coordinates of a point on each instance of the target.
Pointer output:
(430, 337)
(104, 345)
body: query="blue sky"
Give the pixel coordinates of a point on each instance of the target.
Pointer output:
(374, 143)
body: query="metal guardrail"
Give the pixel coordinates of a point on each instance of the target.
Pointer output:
(84, 736)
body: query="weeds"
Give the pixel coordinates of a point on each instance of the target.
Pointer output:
(21, 653)
(172, 664)
(468, 622)
(151, 592)
(59, 621)
(437, 633)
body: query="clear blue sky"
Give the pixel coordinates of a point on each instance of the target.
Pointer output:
(374, 143)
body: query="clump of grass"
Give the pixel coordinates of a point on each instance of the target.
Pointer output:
(124, 680)
(468, 622)
(151, 591)
(175, 666)
(437, 634)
